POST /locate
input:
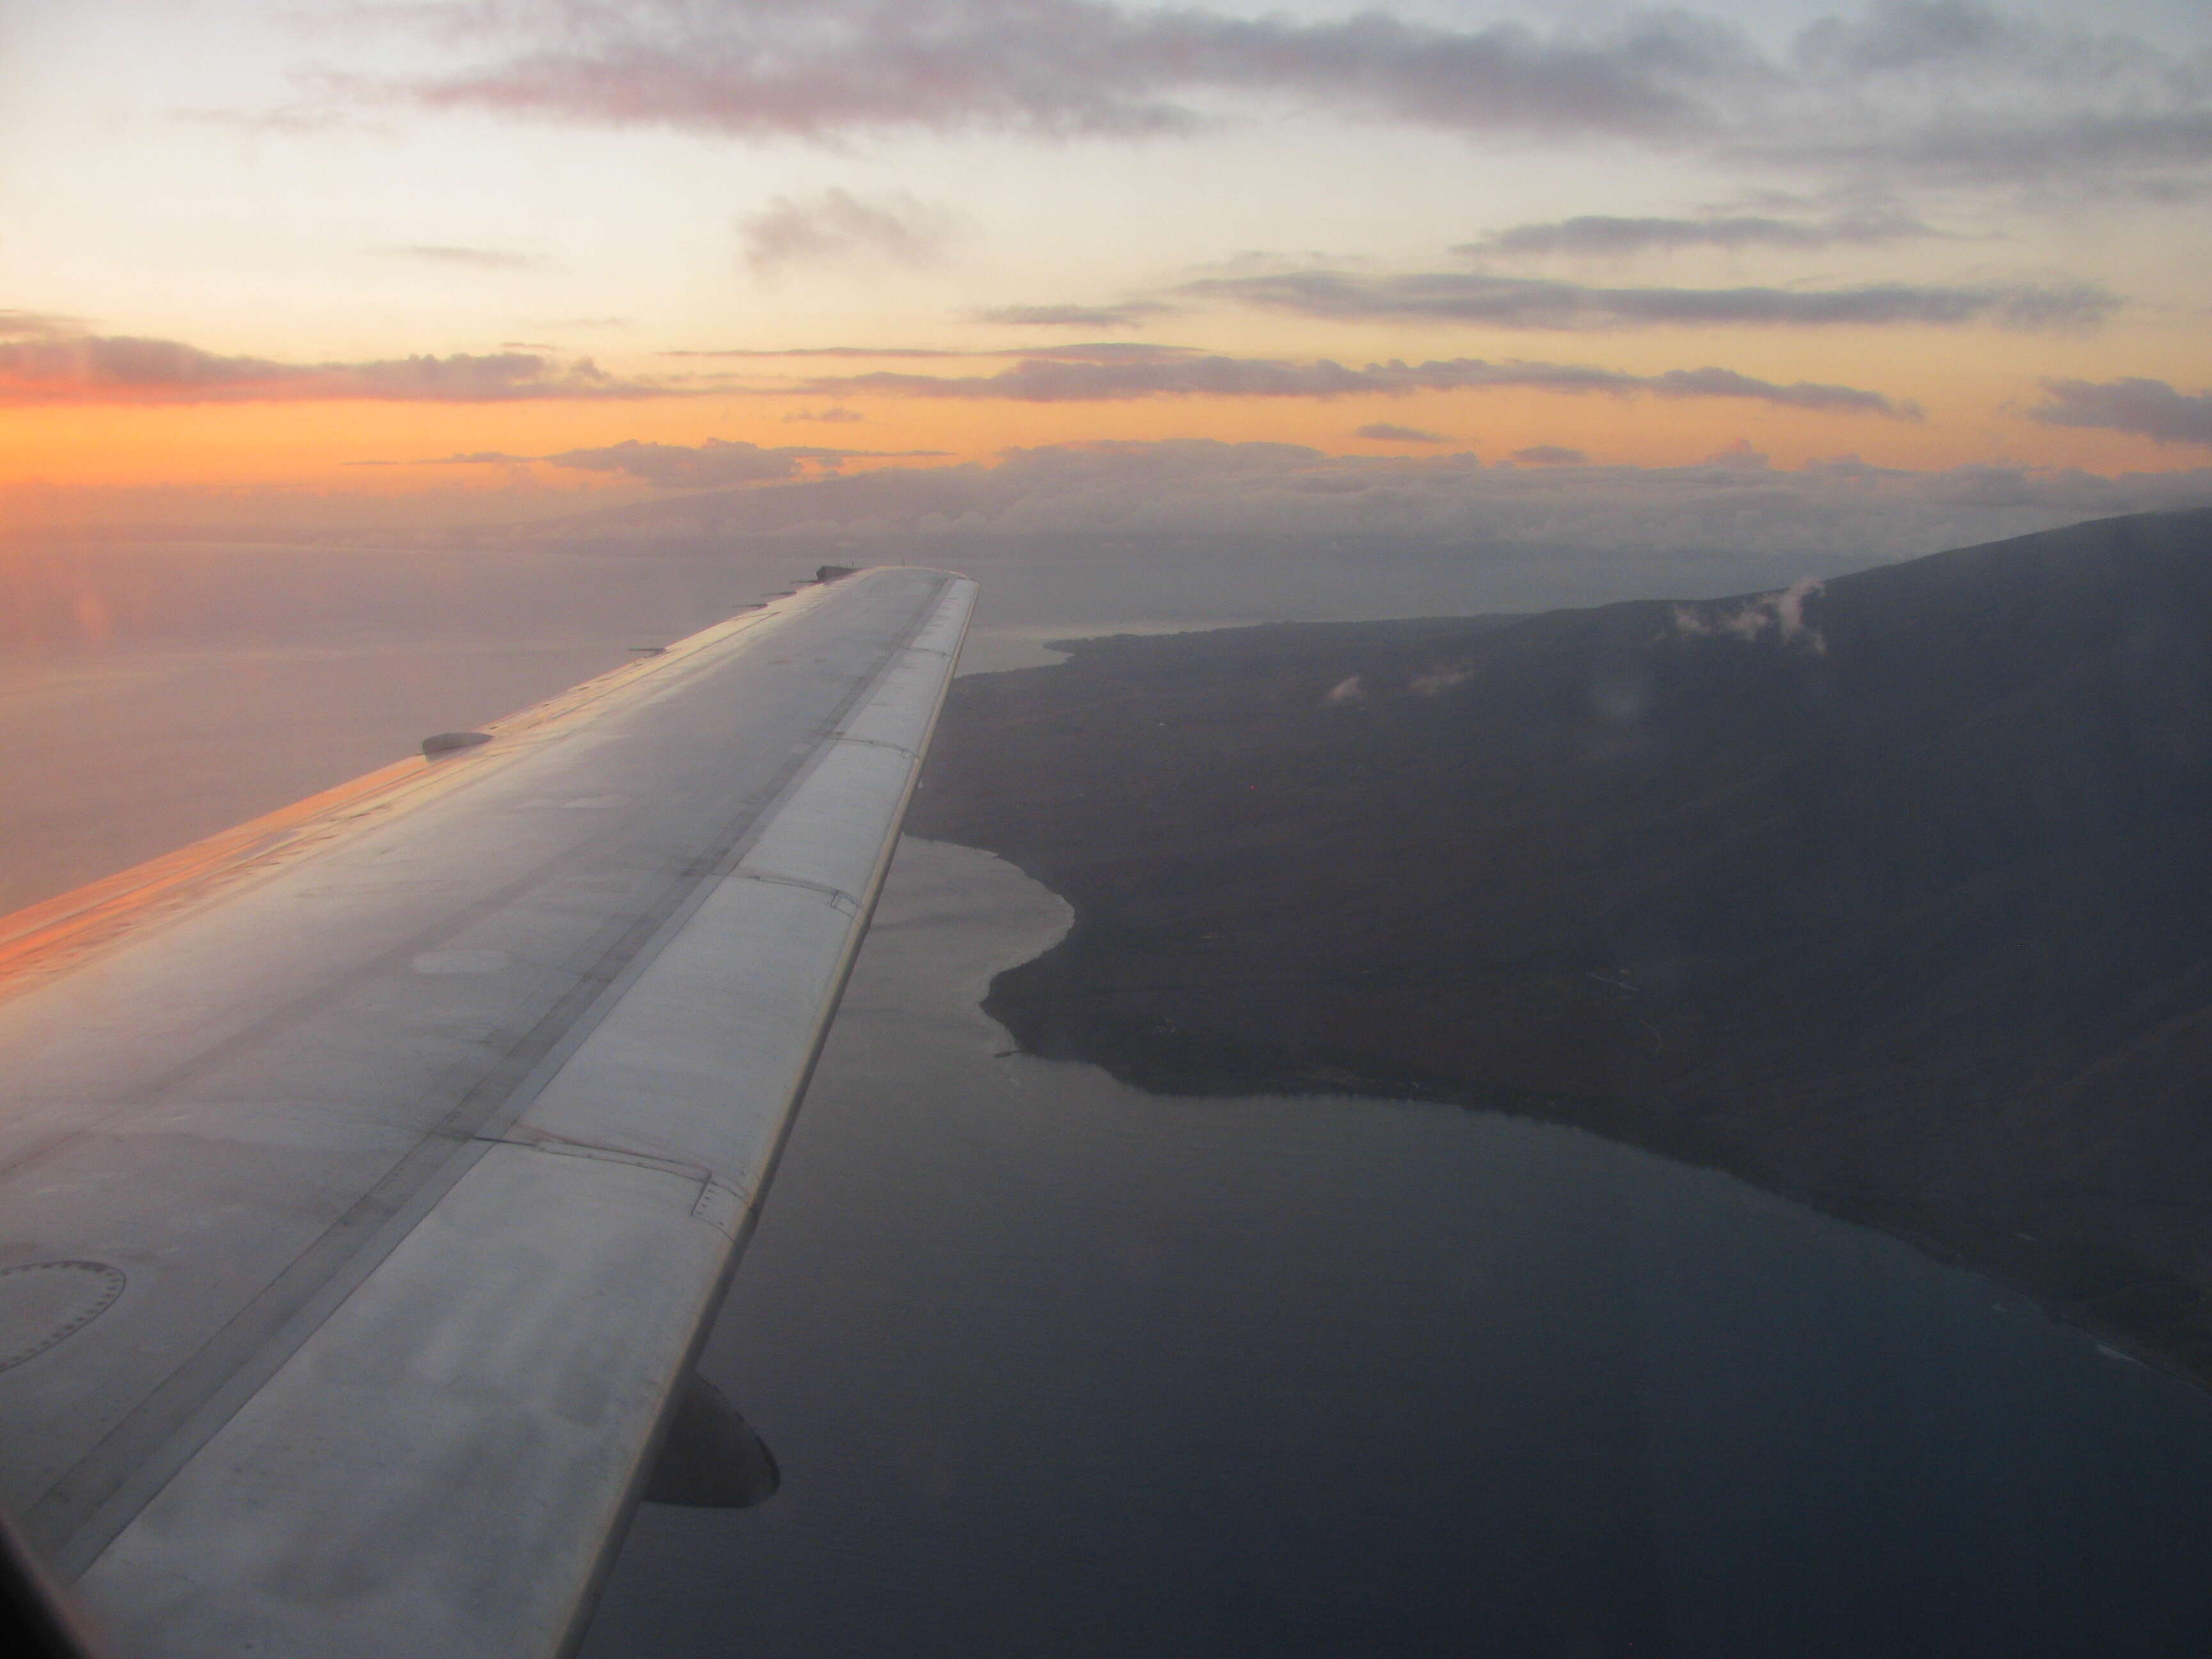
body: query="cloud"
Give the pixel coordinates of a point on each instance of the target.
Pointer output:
(715, 463)
(1045, 380)
(1780, 617)
(1942, 91)
(1219, 532)
(43, 363)
(1549, 455)
(1062, 68)
(821, 351)
(1095, 351)
(36, 326)
(1135, 314)
(2153, 154)
(488, 258)
(1898, 37)
(832, 415)
(1509, 536)
(837, 227)
(1601, 235)
(1739, 454)
(1386, 431)
(1519, 302)
(1954, 91)
(2150, 409)
(1101, 351)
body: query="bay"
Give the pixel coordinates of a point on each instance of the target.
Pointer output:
(1054, 1366)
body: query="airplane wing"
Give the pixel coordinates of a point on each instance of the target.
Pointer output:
(368, 1174)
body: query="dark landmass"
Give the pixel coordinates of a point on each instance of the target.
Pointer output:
(1894, 897)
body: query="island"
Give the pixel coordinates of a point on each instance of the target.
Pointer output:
(1892, 895)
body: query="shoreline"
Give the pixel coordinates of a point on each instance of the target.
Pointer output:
(1195, 1066)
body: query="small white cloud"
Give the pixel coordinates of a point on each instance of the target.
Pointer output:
(839, 228)
(1349, 690)
(1780, 615)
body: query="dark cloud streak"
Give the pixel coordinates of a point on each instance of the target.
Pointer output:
(1603, 236)
(49, 364)
(1134, 313)
(1043, 381)
(1481, 300)
(1093, 351)
(2148, 409)
(1060, 67)
(715, 463)
(1388, 431)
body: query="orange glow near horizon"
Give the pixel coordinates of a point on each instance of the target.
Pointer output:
(1970, 382)
(390, 448)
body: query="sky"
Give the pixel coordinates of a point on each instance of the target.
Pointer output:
(427, 263)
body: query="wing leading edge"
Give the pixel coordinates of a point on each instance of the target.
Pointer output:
(371, 1172)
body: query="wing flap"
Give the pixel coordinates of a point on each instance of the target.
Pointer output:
(438, 1468)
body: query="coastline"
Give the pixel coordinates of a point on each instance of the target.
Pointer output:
(1909, 927)
(1172, 1062)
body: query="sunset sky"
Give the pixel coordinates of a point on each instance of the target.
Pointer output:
(524, 248)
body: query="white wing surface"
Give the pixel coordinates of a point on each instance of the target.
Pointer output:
(368, 1174)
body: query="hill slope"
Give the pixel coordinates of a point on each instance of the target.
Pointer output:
(1895, 895)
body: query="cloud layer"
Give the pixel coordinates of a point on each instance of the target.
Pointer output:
(1133, 314)
(1389, 432)
(715, 463)
(1059, 68)
(1519, 302)
(42, 361)
(2149, 409)
(1946, 90)
(1156, 373)
(1716, 528)
(1595, 235)
(1081, 535)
